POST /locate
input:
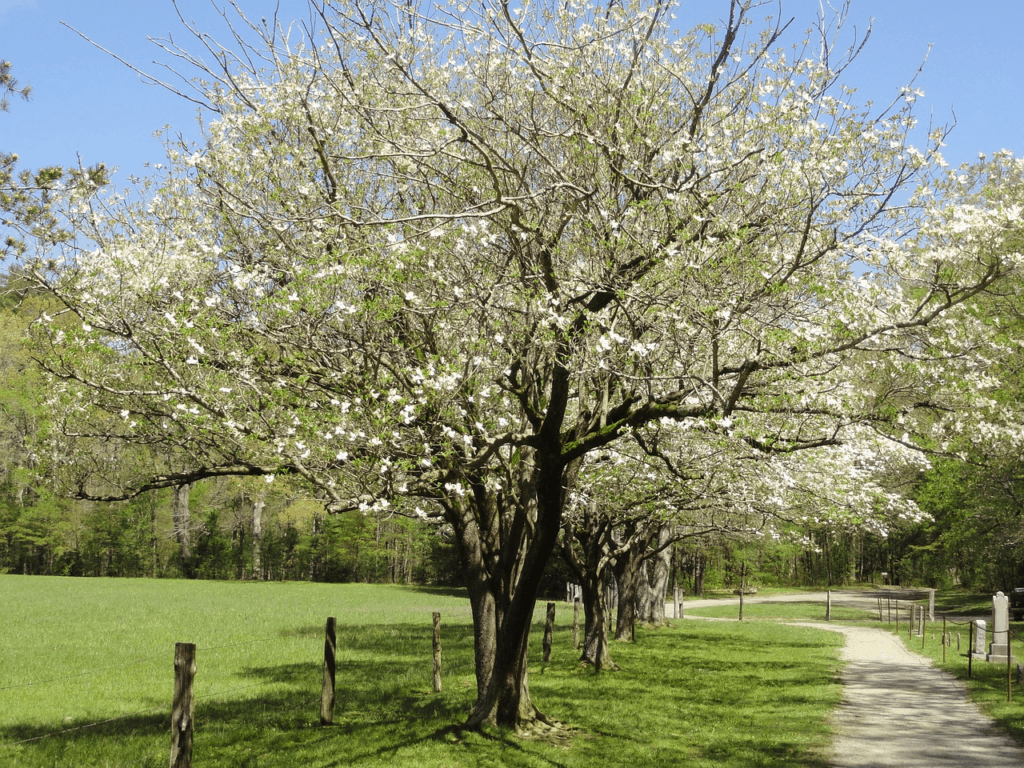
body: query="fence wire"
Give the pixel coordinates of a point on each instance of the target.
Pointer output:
(137, 662)
(149, 711)
(100, 670)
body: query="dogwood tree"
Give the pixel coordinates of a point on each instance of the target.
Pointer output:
(635, 499)
(428, 258)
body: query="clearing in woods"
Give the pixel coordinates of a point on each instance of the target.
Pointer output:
(87, 680)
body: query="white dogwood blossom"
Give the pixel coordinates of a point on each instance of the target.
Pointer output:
(472, 245)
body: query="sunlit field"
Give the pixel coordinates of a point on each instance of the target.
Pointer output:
(87, 680)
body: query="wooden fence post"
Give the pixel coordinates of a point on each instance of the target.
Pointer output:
(437, 652)
(828, 605)
(945, 640)
(184, 705)
(1009, 659)
(970, 649)
(327, 693)
(576, 624)
(549, 629)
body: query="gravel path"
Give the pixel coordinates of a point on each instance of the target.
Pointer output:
(899, 710)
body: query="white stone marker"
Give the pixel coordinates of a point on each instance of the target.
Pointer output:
(978, 651)
(1000, 646)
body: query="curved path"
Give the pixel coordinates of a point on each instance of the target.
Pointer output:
(899, 710)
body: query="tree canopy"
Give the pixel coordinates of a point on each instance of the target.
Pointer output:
(429, 258)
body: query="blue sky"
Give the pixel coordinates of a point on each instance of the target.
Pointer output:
(87, 104)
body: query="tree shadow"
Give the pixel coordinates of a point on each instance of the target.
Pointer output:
(382, 689)
(386, 710)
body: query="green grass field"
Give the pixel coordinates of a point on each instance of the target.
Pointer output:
(87, 680)
(799, 611)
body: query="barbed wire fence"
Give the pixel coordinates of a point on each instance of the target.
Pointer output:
(162, 659)
(205, 714)
(909, 616)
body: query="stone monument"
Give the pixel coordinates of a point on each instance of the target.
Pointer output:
(1000, 646)
(978, 644)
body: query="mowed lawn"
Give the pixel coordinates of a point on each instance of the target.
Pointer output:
(87, 680)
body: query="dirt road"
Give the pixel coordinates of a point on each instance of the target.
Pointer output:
(899, 710)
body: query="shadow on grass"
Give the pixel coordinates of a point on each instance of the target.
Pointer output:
(704, 695)
(383, 689)
(457, 592)
(714, 694)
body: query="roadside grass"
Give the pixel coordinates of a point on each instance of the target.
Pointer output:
(962, 603)
(79, 652)
(730, 594)
(987, 684)
(795, 611)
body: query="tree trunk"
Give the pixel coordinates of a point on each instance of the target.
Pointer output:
(659, 571)
(501, 633)
(628, 569)
(595, 626)
(313, 554)
(182, 527)
(644, 596)
(505, 544)
(585, 549)
(257, 536)
(700, 566)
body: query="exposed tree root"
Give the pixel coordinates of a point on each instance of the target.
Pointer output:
(540, 727)
(543, 728)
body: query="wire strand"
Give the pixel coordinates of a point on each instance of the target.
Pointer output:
(83, 727)
(151, 660)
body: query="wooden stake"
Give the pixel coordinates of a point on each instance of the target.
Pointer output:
(1009, 657)
(327, 692)
(828, 605)
(184, 705)
(549, 629)
(945, 640)
(437, 652)
(970, 649)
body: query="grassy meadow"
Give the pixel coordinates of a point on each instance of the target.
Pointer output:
(87, 680)
(800, 611)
